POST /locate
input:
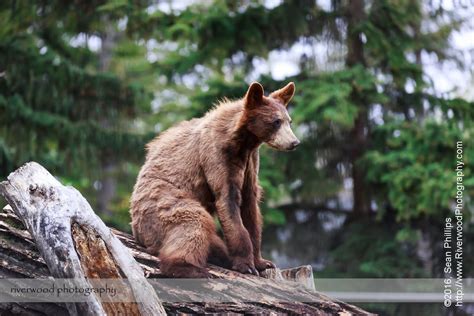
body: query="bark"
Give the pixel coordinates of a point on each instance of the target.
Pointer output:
(88, 249)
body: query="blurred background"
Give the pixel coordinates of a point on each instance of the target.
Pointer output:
(384, 92)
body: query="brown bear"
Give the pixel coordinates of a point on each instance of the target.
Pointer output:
(209, 166)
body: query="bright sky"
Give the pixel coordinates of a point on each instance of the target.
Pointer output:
(448, 78)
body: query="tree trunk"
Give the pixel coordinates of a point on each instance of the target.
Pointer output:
(74, 242)
(355, 56)
(108, 175)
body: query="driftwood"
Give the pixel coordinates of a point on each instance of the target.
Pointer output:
(93, 251)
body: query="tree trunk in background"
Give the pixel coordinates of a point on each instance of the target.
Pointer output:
(108, 184)
(108, 181)
(424, 251)
(360, 131)
(108, 38)
(426, 245)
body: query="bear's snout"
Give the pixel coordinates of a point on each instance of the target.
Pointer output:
(294, 144)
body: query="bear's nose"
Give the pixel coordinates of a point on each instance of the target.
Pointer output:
(294, 144)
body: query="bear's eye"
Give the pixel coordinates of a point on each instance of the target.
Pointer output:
(276, 123)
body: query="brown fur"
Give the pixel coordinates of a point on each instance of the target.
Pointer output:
(204, 167)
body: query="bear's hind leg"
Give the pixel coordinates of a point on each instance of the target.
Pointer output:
(218, 254)
(186, 245)
(180, 268)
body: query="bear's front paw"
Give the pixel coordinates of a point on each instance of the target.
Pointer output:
(244, 265)
(263, 264)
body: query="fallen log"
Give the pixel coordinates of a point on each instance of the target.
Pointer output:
(37, 240)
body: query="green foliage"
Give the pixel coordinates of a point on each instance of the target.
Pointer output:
(413, 166)
(57, 105)
(370, 250)
(210, 34)
(328, 97)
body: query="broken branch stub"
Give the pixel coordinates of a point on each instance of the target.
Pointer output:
(67, 233)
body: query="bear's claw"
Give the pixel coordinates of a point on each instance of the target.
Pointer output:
(244, 267)
(263, 264)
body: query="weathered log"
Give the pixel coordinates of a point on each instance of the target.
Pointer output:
(19, 258)
(67, 231)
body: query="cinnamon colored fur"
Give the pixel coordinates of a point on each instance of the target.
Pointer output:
(206, 167)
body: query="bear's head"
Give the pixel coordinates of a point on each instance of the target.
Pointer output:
(267, 117)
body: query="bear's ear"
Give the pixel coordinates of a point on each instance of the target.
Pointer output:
(284, 94)
(254, 96)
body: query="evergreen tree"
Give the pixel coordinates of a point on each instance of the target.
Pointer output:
(58, 105)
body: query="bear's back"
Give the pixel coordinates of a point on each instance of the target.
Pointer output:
(185, 154)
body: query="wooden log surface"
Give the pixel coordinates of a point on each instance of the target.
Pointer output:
(20, 258)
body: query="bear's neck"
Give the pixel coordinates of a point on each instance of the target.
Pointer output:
(238, 141)
(243, 142)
